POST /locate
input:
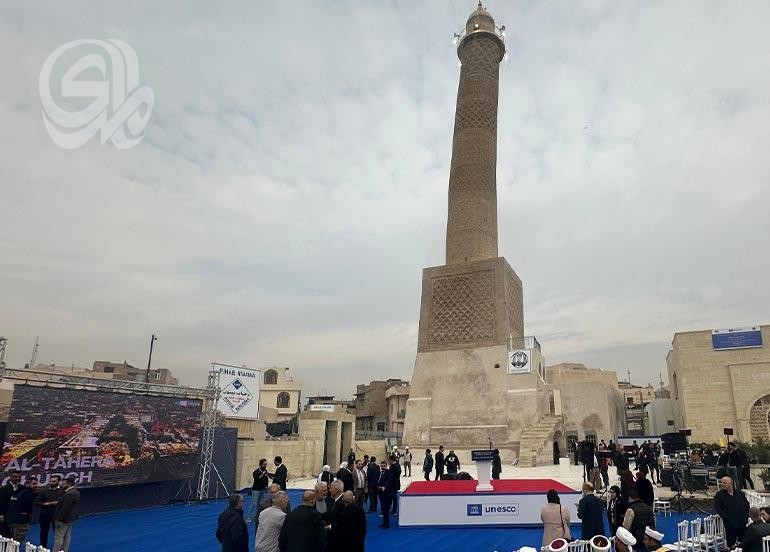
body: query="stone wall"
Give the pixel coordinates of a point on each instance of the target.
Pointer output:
(577, 373)
(714, 389)
(593, 406)
(302, 458)
(372, 448)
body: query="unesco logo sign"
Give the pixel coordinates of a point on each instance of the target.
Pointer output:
(511, 509)
(519, 359)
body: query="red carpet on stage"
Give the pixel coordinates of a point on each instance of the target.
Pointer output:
(502, 486)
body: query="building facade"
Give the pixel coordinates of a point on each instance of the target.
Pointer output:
(280, 392)
(371, 405)
(395, 399)
(124, 371)
(714, 386)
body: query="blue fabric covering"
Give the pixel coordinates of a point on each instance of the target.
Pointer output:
(182, 528)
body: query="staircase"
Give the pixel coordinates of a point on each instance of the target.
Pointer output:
(535, 438)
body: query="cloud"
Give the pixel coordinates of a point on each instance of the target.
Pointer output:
(292, 183)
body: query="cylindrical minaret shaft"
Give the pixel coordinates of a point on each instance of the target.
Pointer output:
(472, 218)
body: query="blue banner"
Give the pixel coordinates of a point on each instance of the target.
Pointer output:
(736, 339)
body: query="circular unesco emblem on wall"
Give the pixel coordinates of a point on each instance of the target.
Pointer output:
(519, 359)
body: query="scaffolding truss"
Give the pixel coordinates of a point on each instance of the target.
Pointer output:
(209, 396)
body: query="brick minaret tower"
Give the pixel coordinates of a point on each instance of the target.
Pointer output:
(472, 219)
(471, 308)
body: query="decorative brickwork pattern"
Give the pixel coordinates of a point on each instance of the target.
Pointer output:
(513, 304)
(476, 112)
(472, 220)
(462, 308)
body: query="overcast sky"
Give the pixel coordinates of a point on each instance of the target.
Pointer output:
(292, 182)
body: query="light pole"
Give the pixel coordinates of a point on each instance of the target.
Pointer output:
(153, 339)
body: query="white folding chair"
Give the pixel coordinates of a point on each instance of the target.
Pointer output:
(695, 539)
(682, 534)
(578, 546)
(10, 545)
(720, 538)
(660, 505)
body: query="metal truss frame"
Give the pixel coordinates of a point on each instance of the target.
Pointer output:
(209, 396)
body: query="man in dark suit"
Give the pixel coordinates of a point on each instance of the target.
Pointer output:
(752, 539)
(281, 474)
(388, 489)
(303, 528)
(231, 527)
(733, 507)
(348, 532)
(395, 472)
(372, 478)
(439, 462)
(590, 512)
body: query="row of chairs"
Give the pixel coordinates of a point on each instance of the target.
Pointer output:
(35, 548)
(690, 538)
(10, 545)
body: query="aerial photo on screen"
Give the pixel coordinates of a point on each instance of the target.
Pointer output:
(100, 438)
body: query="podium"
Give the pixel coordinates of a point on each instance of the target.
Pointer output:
(483, 459)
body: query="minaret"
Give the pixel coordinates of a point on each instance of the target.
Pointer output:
(471, 232)
(471, 309)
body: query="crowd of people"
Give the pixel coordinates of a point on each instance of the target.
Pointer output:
(332, 516)
(54, 507)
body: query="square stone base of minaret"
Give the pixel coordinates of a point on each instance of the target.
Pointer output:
(459, 398)
(461, 392)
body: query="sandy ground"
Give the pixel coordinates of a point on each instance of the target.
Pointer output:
(572, 476)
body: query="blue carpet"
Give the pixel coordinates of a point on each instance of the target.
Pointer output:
(182, 528)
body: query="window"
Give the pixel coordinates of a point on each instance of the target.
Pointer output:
(591, 437)
(380, 426)
(629, 400)
(572, 440)
(283, 400)
(109, 369)
(271, 377)
(670, 422)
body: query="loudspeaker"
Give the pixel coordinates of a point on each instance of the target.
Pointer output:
(672, 442)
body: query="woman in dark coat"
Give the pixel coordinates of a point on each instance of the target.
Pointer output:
(616, 509)
(497, 467)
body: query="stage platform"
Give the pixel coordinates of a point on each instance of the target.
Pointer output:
(512, 503)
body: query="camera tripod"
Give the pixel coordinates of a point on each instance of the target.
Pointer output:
(682, 481)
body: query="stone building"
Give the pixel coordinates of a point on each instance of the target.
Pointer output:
(124, 371)
(395, 398)
(372, 406)
(280, 392)
(714, 386)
